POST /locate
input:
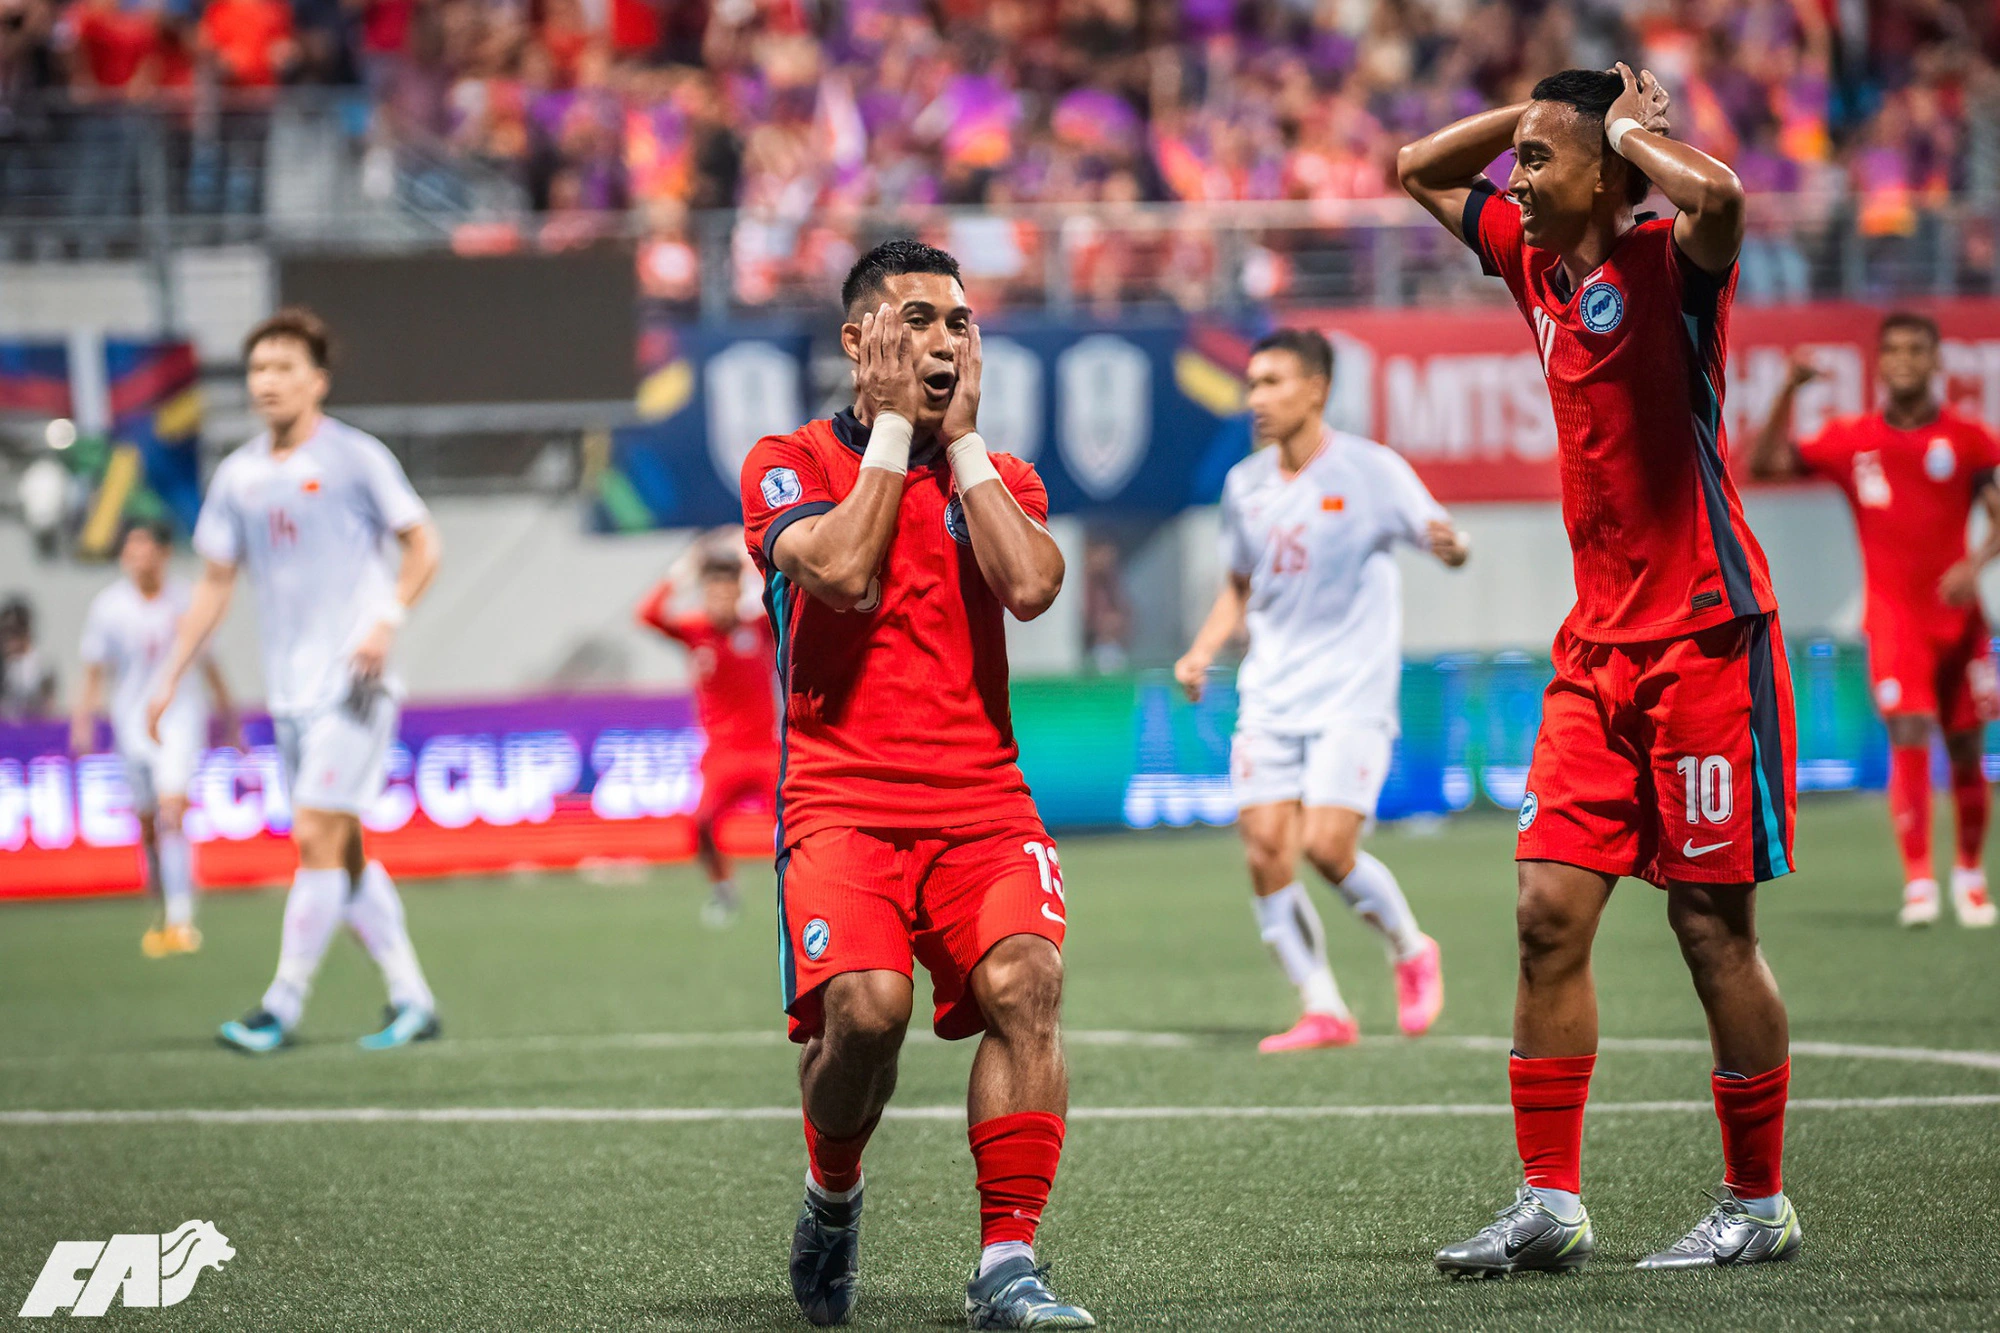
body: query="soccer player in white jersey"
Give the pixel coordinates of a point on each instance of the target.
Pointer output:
(308, 509)
(127, 634)
(1309, 521)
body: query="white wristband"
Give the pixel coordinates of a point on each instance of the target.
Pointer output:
(1618, 129)
(393, 615)
(969, 462)
(889, 444)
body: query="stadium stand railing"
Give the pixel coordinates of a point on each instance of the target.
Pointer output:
(314, 169)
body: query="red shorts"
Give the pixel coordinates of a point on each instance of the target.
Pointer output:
(865, 900)
(1947, 676)
(1670, 760)
(734, 780)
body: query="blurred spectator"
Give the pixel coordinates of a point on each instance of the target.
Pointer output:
(809, 117)
(250, 40)
(1107, 610)
(27, 679)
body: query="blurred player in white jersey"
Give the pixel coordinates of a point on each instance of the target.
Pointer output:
(1308, 526)
(127, 635)
(308, 508)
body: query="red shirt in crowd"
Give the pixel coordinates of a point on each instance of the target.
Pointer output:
(248, 36)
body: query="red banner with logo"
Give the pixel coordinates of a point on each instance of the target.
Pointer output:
(1460, 392)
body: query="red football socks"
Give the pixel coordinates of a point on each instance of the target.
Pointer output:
(1548, 1117)
(1015, 1159)
(836, 1163)
(1752, 1112)
(1910, 808)
(1970, 797)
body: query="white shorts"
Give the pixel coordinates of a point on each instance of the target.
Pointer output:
(335, 760)
(1343, 766)
(163, 769)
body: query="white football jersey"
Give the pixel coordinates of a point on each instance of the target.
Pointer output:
(1325, 613)
(131, 636)
(314, 532)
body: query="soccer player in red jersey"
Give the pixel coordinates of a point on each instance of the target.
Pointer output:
(1911, 473)
(892, 543)
(1666, 745)
(735, 674)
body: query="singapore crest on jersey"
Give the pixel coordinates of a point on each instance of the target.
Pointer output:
(954, 522)
(1940, 460)
(1601, 306)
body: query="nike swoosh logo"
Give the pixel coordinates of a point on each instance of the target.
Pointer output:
(1052, 916)
(1689, 850)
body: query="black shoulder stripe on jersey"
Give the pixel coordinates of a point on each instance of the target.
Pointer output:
(1468, 223)
(798, 511)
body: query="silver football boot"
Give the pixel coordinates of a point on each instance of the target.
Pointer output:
(1526, 1236)
(1730, 1235)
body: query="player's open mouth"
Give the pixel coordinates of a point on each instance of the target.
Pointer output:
(939, 384)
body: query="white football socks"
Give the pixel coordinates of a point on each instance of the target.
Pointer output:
(175, 868)
(313, 912)
(1766, 1209)
(1372, 891)
(376, 914)
(1000, 1251)
(1566, 1206)
(1290, 924)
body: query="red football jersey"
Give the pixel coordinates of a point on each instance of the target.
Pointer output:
(1634, 360)
(735, 674)
(895, 716)
(1912, 493)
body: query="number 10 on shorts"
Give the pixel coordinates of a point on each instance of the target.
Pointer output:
(1708, 788)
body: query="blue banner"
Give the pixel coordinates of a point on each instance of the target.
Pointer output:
(1133, 417)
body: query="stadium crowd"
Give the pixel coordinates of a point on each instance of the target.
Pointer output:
(806, 115)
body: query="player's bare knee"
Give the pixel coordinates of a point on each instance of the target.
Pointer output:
(1713, 927)
(1966, 749)
(1907, 730)
(1553, 933)
(1333, 857)
(1019, 987)
(867, 1014)
(168, 818)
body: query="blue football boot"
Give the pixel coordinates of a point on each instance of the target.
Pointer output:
(826, 1258)
(1015, 1294)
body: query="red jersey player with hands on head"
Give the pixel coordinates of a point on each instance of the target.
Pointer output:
(1912, 473)
(1666, 744)
(891, 544)
(734, 664)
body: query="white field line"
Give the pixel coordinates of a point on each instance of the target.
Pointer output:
(1095, 1037)
(480, 1115)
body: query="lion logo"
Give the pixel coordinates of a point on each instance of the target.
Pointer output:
(184, 1252)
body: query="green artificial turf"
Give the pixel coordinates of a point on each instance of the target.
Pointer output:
(557, 992)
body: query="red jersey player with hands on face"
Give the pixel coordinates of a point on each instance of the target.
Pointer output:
(1912, 473)
(1666, 744)
(892, 543)
(734, 664)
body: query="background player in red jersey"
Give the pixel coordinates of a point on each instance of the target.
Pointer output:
(891, 544)
(1911, 473)
(1666, 746)
(735, 669)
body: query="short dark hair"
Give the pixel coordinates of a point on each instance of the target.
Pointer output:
(294, 321)
(892, 259)
(1908, 319)
(158, 529)
(1591, 92)
(1310, 346)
